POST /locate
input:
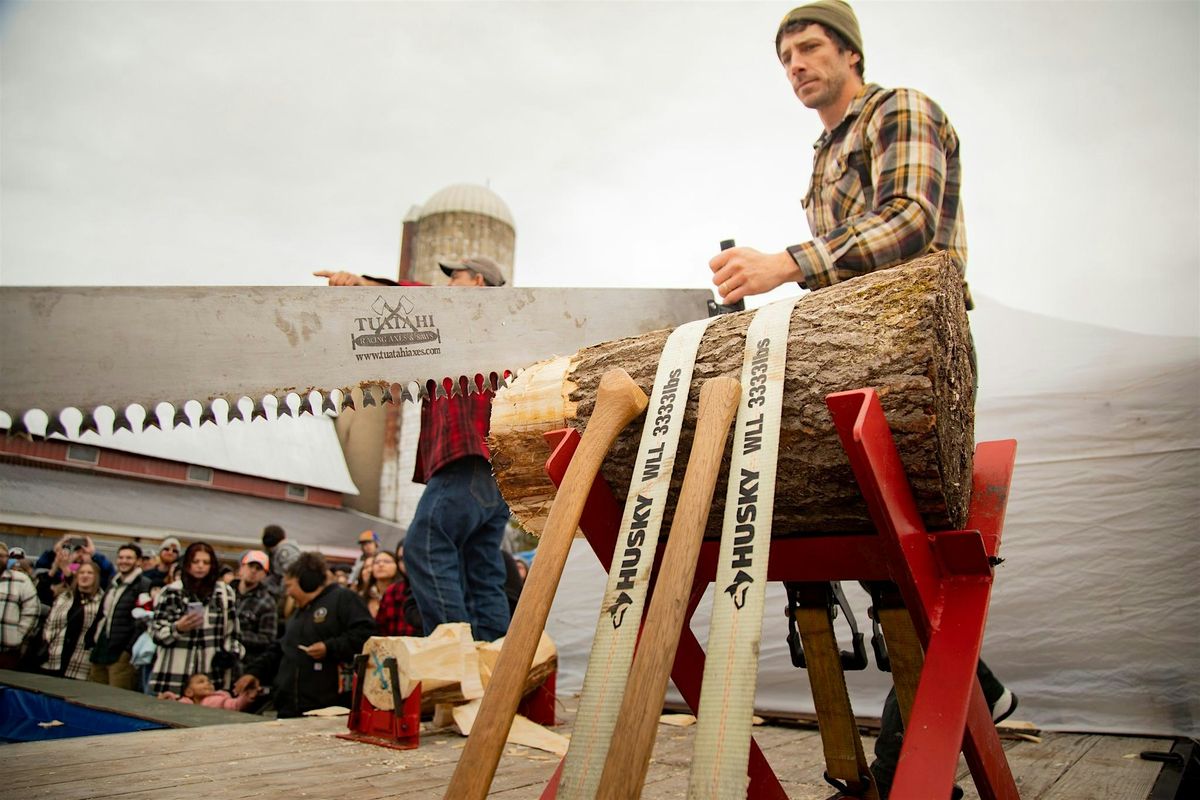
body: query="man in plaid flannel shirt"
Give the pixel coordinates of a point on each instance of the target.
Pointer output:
(886, 175)
(885, 188)
(452, 548)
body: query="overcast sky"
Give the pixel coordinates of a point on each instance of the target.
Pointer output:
(250, 143)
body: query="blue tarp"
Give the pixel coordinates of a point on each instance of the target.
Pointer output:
(22, 711)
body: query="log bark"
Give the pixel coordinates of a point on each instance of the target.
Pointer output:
(902, 331)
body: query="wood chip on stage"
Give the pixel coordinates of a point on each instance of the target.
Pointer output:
(902, 331)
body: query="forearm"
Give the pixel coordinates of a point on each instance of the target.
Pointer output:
(887, 235)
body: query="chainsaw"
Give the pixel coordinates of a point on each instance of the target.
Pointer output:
(301, 350)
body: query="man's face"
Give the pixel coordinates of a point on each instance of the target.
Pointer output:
(464, 277)
(369, 547)
(816, 70)
(127, 561)
(168, 555)
(251, 574)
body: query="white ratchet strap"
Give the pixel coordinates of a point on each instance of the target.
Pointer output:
(722, 749)
(629, 578)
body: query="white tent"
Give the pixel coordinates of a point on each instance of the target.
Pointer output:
(1095, 616)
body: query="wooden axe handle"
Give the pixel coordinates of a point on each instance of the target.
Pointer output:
(633, 740)
(618, 402)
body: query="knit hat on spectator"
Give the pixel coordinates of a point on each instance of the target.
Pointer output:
(257, 557)
(170, 541)
(833, 14)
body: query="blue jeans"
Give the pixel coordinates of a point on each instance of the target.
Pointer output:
(452, 550)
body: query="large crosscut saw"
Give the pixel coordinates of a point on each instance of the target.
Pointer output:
(131, 348)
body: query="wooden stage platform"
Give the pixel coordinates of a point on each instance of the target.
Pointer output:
(301, 758)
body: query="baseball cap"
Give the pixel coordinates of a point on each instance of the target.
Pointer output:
(257, 557)
(368, 536)
(479, 264)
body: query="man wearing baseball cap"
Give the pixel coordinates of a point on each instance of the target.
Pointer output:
(256, 607)
(368, 543)
(885, 188)
(473, 271)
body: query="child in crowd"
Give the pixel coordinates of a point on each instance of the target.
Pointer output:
(200, 692)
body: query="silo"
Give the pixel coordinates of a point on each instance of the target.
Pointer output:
(459, 221)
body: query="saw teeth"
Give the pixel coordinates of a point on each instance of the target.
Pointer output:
(207, 416)
(88, 423)
(368, 397)
(121, 422)
(259, 411)
(180, 418)
(347, 400)
(54, 424)
(18, 427)
(151, 419)
(327, 405)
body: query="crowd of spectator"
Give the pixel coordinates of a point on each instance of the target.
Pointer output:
(278, 630)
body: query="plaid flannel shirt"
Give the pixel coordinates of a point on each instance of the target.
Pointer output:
(885, 188)
(78, 662)
(389, 619)
(19, 608)
(180, 654)
(452, 428)
(257, 619)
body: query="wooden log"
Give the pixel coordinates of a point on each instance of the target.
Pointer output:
(902, 331)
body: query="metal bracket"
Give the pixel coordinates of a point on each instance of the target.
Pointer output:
(831, 596)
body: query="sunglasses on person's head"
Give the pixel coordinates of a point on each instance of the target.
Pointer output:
(172, 549)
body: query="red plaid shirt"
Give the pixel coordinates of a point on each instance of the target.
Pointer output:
(389, 619)
(452, 428)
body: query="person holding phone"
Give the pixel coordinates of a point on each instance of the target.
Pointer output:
(195, 626)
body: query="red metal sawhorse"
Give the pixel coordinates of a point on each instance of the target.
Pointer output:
(945, 579)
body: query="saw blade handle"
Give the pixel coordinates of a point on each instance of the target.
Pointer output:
(629, 754)
(618, 402)
(715, 308)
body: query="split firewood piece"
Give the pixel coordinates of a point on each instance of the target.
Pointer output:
(902, 331)
(445, 663)
(522, 731)
(450, 667)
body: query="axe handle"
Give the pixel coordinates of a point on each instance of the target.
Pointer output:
(629, 753)
(618, 402)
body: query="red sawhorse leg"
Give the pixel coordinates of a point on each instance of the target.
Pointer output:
(946, 581)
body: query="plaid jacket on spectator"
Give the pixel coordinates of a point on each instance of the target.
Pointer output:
(257, 620)
(390, 619)
(19, 608)
(885, 188)
(182, 654)
(68, 652)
